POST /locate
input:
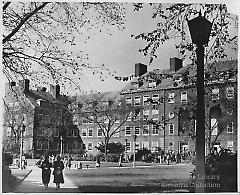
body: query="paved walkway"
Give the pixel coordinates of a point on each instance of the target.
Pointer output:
(33, 184)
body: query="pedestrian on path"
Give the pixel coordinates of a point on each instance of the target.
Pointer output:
(46, 171)
(58, 172)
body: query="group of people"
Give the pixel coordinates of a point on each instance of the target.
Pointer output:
(57, 166)
(179, 157)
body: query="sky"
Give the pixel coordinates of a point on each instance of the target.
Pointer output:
(119, 52)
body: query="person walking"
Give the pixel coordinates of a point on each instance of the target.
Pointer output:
(58, 167)
(46, 171)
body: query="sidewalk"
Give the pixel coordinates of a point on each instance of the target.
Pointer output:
(33, 184)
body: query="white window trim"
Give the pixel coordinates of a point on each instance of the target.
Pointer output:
(229, 128)
(89, 131)
(147, 129)
(184, 94)
(227, 94)
(139, 129)
(128, 101)
(139, 101)
(126, 131)
(171, 98)
(156, 130)
(99, 129)
(84, 130)
(169, 129)
(88, 146)
(145, 99)
(130, 144)
(215, 92)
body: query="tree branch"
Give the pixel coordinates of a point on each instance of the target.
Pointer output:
(27, 17)
(6, 5)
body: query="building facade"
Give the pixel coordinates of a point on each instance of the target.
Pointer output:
(48, 123)
(166, 117)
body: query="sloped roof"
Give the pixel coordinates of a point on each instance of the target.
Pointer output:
(190, 69)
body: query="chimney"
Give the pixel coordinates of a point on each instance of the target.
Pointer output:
(25, 85)
(175, 64)
(44, 89)
(140, 69)
(55, 90)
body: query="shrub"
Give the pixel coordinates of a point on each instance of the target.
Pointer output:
(224, 165)
(7, 159)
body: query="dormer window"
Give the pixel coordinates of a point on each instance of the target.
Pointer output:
(152, 84)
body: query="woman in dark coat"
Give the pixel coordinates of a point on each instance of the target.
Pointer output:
(58, 172)
(46, 171)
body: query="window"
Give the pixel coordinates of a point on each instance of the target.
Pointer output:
(137, 115)
(215, 94)
(90, 132)
(171, 98)
(154, 146)
(145, 145)
(69, 147)
(129, 117)
(137, 146)
(171, 129)
(99, 132)
(184, 97)
(230, 127)
(230, 92)
(84, 132)
(137, 101)
(90, 146)
(155, 114)
(145, 114)
(146, 100)
(128, 146)
(230, 145)
(39, 145)
(128, 130)
(170, 146)
(155, 99)
(171, 115)
(137, 131)
(145, 130)
(152, 84)
(128, 101)
(154, 130)
(214, 126)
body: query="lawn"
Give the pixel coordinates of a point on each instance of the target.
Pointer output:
(127, 179)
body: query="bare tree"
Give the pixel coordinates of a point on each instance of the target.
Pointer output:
(107, 114)
(171, 24)
(44, 40)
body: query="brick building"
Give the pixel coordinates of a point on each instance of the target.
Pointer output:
(169, 99)
(48, 123)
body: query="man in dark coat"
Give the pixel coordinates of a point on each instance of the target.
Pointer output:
(58, 172)
(46, 171)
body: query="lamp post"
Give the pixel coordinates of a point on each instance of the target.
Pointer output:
(200, 29)
(61, 146)
(126, 149)
(21, 145)
(134, 149)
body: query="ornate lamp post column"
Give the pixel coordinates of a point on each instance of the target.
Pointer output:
(21, 146)
(61, 146)
(126, 149)
(200, 29)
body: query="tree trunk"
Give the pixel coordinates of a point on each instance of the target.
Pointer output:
(105, 149)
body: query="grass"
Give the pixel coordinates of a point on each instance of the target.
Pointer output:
(147, 179)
